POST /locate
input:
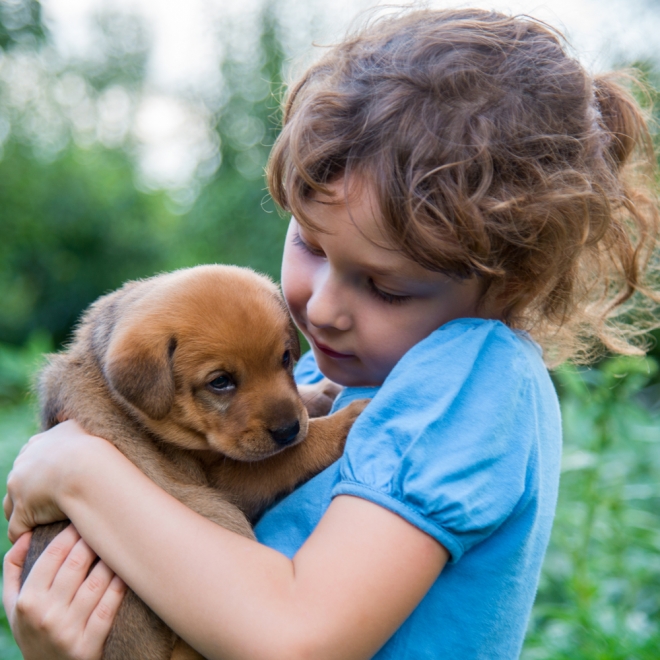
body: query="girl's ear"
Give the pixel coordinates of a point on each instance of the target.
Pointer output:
(138, 366)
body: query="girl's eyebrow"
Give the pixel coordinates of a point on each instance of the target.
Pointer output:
(384, 270)
(395, 272)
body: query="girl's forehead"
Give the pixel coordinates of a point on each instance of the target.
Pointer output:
(351, 207)
(350, 231)
(346, 192)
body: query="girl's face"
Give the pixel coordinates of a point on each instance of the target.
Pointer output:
(360, 302)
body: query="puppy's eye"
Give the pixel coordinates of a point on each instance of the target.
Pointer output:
(286, 359)
(221, 384)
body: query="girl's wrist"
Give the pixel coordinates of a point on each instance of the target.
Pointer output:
(55, 469)
(78, 460)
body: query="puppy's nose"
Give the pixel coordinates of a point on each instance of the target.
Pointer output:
(285, 435)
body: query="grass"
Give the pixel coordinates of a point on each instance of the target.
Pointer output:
(599, 596)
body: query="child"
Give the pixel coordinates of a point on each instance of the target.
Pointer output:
(459, 196)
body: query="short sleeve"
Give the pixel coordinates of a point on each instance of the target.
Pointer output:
(446, 441)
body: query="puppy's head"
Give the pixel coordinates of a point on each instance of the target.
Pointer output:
(204, 357)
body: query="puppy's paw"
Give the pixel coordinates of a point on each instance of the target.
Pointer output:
(346, 416)
(326, 437)
(318, 397)
(336, 426)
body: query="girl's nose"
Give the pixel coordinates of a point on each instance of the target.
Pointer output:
(327, 307)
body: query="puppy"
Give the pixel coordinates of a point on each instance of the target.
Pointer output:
(189, 375)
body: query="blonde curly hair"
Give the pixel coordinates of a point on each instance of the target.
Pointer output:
(492, 154)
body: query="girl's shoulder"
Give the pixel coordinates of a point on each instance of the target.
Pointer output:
(471, 350)
(469, 366)
(492, 336)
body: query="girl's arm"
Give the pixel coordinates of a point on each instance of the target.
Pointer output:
(346, 591)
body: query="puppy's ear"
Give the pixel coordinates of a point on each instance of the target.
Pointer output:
(138, 366)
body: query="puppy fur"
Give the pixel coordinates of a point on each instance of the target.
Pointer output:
(189, 375)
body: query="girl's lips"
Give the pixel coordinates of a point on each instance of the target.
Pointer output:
(328, 351)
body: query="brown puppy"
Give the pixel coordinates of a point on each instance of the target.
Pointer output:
(189, 375)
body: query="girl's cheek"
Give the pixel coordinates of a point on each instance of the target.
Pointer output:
(295, 285)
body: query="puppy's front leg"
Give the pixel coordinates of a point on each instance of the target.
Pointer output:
(254, 485)
(318, 397)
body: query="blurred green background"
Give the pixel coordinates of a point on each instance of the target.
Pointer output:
(86, 203)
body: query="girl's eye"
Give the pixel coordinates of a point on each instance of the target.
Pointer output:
(389, 298)
(286, 359)
(222, 383)
(298, 242)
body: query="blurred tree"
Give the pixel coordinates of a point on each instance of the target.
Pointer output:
(122, 44)
(73, 223)
(20, 23)
(234, 220)
(71, 230)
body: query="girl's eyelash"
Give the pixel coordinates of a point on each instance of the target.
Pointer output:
(389, 298)
(298, 241)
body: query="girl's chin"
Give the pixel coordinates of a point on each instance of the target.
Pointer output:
(344, 372)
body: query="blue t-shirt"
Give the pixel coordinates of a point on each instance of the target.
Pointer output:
(463, 440)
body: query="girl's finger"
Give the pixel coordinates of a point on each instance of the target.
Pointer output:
(17, 527)
(102, 617)
(7, 506)
(91, 591)
(12, 569)
(73, 572)
(47, 566)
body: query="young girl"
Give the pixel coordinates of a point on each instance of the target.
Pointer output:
(460, 197)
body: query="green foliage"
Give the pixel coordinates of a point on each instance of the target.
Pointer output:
(71, 231)
(599, 597)
(18, 365)
(79, 228)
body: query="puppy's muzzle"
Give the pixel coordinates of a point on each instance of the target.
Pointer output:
(285, 435)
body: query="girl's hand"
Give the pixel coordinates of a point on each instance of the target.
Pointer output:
(44, 467)
(61, 613)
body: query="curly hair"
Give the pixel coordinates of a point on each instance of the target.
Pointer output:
(492, 153)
